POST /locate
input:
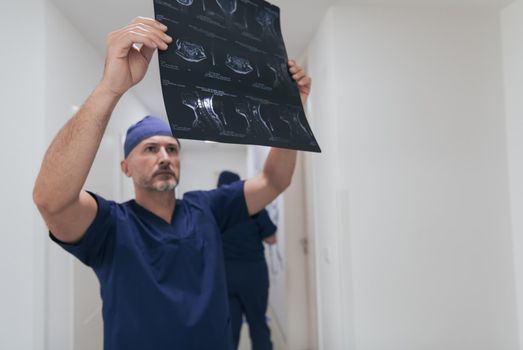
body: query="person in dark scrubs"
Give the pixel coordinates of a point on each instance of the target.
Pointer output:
(159, 259)
(247, 273)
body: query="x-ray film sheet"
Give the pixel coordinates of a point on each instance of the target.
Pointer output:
(225, 76)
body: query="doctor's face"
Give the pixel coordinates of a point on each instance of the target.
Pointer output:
(154, 164)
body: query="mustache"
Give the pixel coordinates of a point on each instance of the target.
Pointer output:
(166, 172)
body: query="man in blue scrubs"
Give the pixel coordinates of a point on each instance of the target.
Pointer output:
(159, 260)
(247, 273)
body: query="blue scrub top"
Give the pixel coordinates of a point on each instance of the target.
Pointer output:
(163, 285)
(243, 242)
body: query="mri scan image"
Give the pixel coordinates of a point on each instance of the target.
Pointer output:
(228, 6)
(238, 64)
(256, 126)
(266, 21)
(205, 118)
(189, 51)
(185, 2)
(292, 118)
(281, 74)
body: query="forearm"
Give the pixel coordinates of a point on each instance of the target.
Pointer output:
(273, 180)
(279, 168)
(70, 156)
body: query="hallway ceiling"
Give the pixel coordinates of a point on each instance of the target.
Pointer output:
(300, 19)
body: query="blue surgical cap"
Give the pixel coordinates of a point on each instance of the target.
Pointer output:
(227, 177)
(145, 128)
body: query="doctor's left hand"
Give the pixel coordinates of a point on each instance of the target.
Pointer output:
(303, 81)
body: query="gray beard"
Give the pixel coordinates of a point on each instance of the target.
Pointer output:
(167, 186)
(164, 186)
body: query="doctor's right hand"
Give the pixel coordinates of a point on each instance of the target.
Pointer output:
(129, 51)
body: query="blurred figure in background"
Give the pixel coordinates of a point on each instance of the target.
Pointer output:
(247, 273)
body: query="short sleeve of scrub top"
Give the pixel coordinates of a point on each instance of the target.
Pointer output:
(265, 225)
(98, 240)
(228, 204)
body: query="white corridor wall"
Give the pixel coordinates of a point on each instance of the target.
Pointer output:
(21, 140)
(411, 195)
(512, 33)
